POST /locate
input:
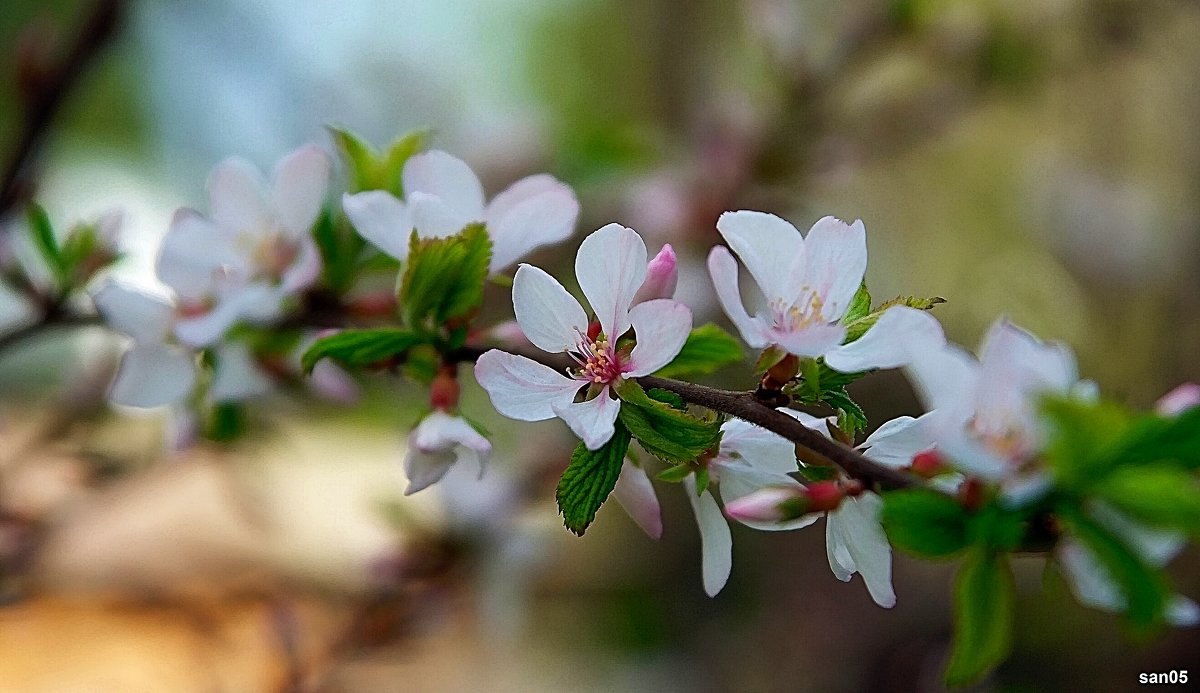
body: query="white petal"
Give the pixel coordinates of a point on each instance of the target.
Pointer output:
(1087, 577)
(1156, 545)
(636, 495)
(209, 328)
(381, 219)
(900, 335)
(153, 375)
(304, 270)
(237, 376)
(434, 218)
(896, 442)
(522, 388)
(970, 455)
(809, 341)
(1010, 353)
(716, 543)
(740, 480)
(193, 253)
(724, 271)
(840, 560)
(835, 257)
(534, 211)
(144, 317)
(591, 420)
(425, 468)
(945, 379)
(440, 174)
(770, 248)
(758, 447)
(858, 519)
(1182, 611)
(611, 265)
(298, 188)
(331, 382)
(437, 442)
(662, 326)
(549, 316)
(237, 196)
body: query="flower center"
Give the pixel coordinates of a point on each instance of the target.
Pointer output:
(598, 362)
(809, 310)
(271, 254)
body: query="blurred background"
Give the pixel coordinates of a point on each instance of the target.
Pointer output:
(1037, 158)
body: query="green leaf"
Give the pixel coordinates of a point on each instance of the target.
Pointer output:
(1143, 587)
(667, 433)
(859, 327)
(1085, 439)
(444, 277)
(702, 479)
(227, 422)
(340, 248)
(769, 357)
(370, 170)
(361, 347)
(924, 522)
(675, 473)
(839, 399)
(1162, 494)
(589, 479)
(996, 527)
(46, 242)
(984, 598)
(1153, 438)
(667, 397)
(860, 305)
(707, 349)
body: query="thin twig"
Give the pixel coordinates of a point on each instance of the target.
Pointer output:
(52, 321)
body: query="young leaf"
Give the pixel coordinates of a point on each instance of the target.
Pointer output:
(589, 479)
(361, 347)
(1085, 438)
(984, 597)
(1153, 438)
(670, 434)
(44, 239)
(675, 473)
(860, 305)
(924, 522)
(444, 277)
(1160, 494)
(369, 170)
(707, 349)
(859, 327)
(839, 399)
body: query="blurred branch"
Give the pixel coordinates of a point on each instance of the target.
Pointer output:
(54, 320)
(46, 96)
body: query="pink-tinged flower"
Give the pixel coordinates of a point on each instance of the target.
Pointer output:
(442, 195)
(1093, 585)
(438, 442)
(635, 493)
(808, 282)
(154, 372)
(253, 252)
(662, 276)
(610, 266)
(1179, 400)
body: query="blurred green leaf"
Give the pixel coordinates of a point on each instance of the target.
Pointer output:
(356, 348)
(589, 479)
(42, 232)
(370, 170)
(924, 522)
(707, 349)
(1163, 495)
(984, 599)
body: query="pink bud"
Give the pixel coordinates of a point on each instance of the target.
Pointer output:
(661, 277)
(510, 336)
(770, 504)
(444, 391)
(1179, 400)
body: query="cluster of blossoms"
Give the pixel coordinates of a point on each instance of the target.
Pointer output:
(984, 460)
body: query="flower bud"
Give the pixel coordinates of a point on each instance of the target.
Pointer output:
(444, 390)
(1179, 400)
(662, 275)
(782, 503)
(928, 463)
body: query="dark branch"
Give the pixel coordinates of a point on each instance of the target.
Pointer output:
(52, 321)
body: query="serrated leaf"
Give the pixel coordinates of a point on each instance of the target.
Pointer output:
(707, 349)
(859, 327)
(356, 348)
(984, 599)
(1163, 495)
(839, 399)
(1143, 587)
(667, 433)
(589, 479)
(924, 522)
(860, 305)
(444, 277)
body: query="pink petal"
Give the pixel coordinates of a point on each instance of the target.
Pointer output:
(144, 317)
(298, 188)
(835, 260)
(611, 265)
(592, 420)
(237, 197)
(809, 341)
(193, 254)
(548, 315)
(449, 178)
(662, 326)
(545, 218)
(636, 495)
(662, 276)
(716, 542)
(771, 248)
(724, 271)
(1179, 400)
(522, 388)
(381, 219)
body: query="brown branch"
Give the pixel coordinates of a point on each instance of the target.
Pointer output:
(45, 100)
(51, 321)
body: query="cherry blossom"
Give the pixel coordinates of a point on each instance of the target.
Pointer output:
(440, 440)
(253, 252)
(808, 282)
(443, 195)
(610, 267)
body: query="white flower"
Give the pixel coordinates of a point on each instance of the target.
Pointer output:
(635, 493)
(254, 251)
(153, 372)
(436, 444)
(442, 195)
(610, 266)
(808, 282)
(1091, 582)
